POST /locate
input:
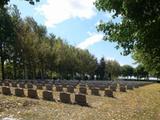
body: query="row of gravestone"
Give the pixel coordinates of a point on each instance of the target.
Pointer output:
(80, 99)
(59, 88)
(94, 87)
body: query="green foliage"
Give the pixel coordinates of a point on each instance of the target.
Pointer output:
(101, 73)
(29, 53)
(140, 72)
(112, 68)
(127, 71)
(6, 34)
(138, 32)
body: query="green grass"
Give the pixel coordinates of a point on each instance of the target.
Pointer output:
(140, 104)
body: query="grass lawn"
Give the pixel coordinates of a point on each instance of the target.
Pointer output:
(139, 104)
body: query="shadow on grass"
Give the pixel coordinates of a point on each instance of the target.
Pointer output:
(74, 103)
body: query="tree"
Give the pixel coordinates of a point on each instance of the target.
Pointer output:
(112, 68)
(127, 71)
(138, 31)
(6, 32)
(101, 69)
(141, 72)
(28, 52)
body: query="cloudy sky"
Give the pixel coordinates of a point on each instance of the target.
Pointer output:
(75, 21)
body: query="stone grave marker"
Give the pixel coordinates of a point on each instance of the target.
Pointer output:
(19, 92)
(80, 99)
(95, 91)
(32, 93)
(6, 91)
(65, 97)
(108, 93)
(47, 95)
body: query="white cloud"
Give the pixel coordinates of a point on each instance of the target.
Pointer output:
(94, 38)
(57, 11)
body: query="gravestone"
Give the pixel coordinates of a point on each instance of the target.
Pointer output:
(102, 87)
(130, 87)
(19, 92)
(47, 95)
(80, 99)
(6, 83)
(14, 84)
(65, 97)
(59, 88)
(83, 90)
(122, 89)
(32, 93)
(49, 87)
(22, 85)
(39, 86)
(113, 88)
(29, 86)
(95, 91)
(136, 86)
(70, 89)
(108, 93)
(6, 91)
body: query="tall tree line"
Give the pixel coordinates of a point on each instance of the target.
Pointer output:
(28, 52)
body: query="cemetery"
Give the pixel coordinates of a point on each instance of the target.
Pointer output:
(79, 59)
(86, 95)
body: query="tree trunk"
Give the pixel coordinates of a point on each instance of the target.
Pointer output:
(14, 70)
(25, 72)
(2, 61)
(2, 68)
(34, 72)
(42, 74)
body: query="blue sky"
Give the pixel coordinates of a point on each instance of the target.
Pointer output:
(75, 21)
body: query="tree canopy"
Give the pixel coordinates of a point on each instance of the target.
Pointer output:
(112, 68)
(138, 31)
(127, 71)
(28, 52)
